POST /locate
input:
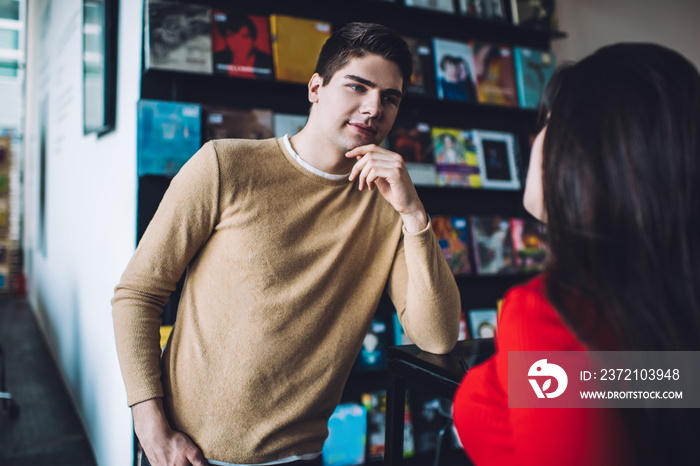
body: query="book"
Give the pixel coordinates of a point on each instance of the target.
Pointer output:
(445, 6)
(495, 74)
(400, 337)
(533, 69)
(241, 45)
(168, 134)
(347, 431)
(414, 142)
(285, 123)
(456, 158)
(463, 327)
(529, 244)
(482, 323)
(452, 235)
(432, 415)
(489, 10)
(178, 37)
(534, 14)
(372, 355)
(225, 122)
(454, 70)
(496, 153)
(492, 245)
(296, 43)
(375, 405)
(423, 77)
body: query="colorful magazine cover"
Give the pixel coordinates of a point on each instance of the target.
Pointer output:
(493, 247)
(454, 70)
(456, 158)
(225, 122)
(489, 10)
(414, 142)
(529, 244)
(533, 69)
(495, 74)
(296, 43)
(241, 45)
(452, 234)
(169, 133)
(178, 37)
(482, 323)
(347, 436)
(285, 123)
(445, 6)
(372, 355)
(423, 77)
(496, 153)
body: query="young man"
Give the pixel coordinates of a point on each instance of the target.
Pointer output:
(288, 245)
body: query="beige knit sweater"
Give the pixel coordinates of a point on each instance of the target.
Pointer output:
(284, 272)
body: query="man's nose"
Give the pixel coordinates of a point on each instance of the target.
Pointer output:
(372, 105)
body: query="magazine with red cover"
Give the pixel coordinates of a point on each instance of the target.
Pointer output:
(241, 45)
(413, 141)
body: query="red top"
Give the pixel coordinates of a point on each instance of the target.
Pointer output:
(493, 434)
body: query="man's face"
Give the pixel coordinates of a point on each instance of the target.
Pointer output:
(359, 104)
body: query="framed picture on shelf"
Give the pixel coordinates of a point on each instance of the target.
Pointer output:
(482, 323)
(496, 152)
(100, 28)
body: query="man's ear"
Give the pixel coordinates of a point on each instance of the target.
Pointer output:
(315, 84)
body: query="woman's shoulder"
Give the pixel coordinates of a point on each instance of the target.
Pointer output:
(529, 322)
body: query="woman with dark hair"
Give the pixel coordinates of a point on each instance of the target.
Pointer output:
(615, 174)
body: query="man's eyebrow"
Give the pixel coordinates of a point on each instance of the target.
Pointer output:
(372, 85)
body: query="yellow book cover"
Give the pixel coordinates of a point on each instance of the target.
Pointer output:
(296, 43)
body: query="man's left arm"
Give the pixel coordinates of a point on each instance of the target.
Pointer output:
(421, 284)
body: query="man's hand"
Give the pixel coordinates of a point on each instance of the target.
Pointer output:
(386, 170)
(162, 445)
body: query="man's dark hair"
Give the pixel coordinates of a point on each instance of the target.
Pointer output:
(356, 40)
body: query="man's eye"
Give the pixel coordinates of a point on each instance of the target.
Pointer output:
(357, 87)
(393, 100)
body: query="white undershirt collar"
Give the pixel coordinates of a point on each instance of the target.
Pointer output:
(309, 167)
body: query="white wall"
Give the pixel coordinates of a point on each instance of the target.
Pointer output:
(11, 98)
(90, 214)
(594, 23)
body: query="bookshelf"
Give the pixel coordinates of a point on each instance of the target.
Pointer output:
(477, 291)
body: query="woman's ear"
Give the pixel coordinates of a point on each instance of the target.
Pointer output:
(533, 199)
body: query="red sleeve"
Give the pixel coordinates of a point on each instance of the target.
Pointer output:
(494, 434)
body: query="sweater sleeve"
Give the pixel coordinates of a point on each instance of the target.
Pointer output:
(425, 293)
(183, 222)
